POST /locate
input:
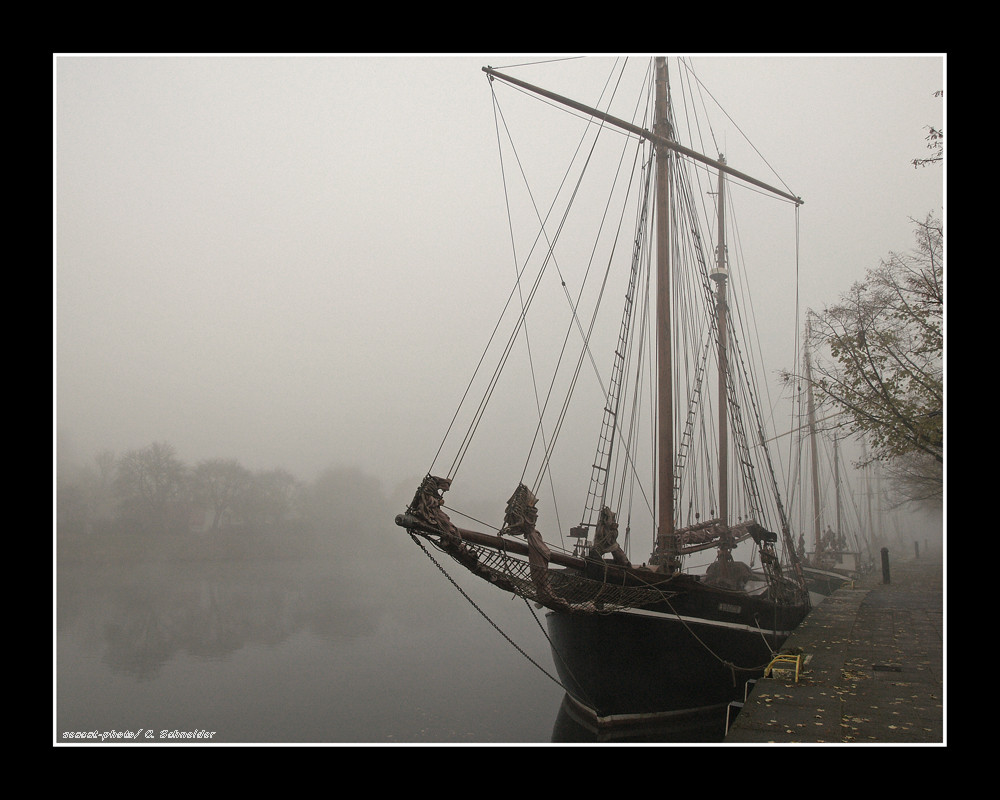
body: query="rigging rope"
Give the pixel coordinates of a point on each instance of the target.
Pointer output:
(550, 255)
(504, 635)
(524, 311)
(624, 454)
(483, 613)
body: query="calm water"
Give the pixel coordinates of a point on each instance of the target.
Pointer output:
(317, 651)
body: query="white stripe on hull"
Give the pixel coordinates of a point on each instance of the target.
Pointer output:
(639, 612)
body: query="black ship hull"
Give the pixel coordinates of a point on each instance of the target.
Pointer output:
(631, 667)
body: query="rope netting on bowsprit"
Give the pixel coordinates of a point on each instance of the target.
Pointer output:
(554, 588)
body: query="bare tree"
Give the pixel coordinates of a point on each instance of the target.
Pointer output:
(268, 498)
(85, 500)
(220, 483)
(152, 486)
(879, 355)
(935, 143)
(915, 479)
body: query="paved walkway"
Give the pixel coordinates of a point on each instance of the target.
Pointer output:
(873, 669)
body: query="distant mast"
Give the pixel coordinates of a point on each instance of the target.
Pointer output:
(811, 412)
(836, 481)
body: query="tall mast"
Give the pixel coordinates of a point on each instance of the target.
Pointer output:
(879, 509)
(811, 411)
(868, 496)
(719, 276)
(836, 482)
(666, 542)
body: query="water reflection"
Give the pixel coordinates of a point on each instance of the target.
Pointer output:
(311, 651)
(571, 728)
(296, 651)
(144, 617)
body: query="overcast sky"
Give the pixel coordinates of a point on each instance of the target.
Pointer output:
(257, 257)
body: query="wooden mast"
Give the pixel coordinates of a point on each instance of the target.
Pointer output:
(836, 482)
(666, 541)
(811, 412)
(719, 276)
(868, 496)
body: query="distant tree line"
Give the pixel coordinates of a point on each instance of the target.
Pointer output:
(151, 490)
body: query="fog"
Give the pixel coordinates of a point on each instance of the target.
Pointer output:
(294, 261)
(342, 633)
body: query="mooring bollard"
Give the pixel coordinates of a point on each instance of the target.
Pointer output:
(916, 549)
(885, 565)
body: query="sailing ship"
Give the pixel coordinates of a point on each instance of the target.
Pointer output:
(839, 555)
(635, 642)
